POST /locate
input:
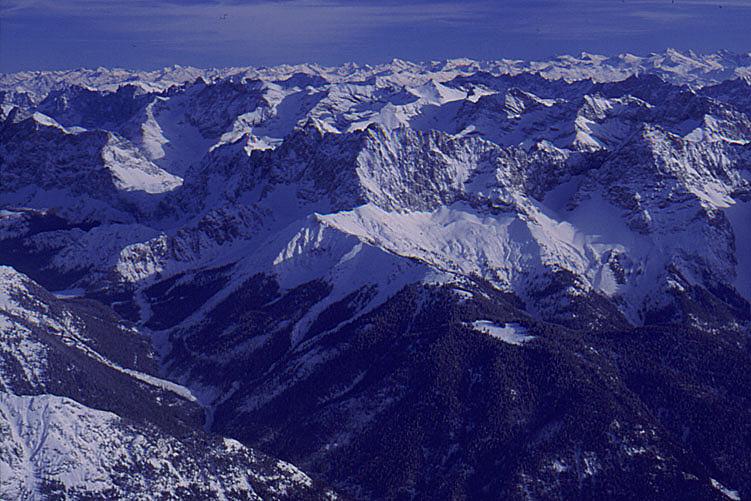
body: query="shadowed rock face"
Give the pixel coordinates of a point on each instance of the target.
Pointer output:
(470, 281)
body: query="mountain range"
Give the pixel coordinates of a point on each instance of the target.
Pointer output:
(442, 280)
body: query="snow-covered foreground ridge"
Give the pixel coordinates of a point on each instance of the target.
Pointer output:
(261, 224)
(54, 446)
(75, 423)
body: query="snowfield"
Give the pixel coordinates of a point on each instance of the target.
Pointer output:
(508, 333)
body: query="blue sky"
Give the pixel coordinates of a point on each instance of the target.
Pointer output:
(59, 34)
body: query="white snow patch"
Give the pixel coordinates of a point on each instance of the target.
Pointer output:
(511, 333)
(69, 293)
(133, 172)
(729, 493)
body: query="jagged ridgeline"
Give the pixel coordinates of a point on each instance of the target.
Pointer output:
(446, 280)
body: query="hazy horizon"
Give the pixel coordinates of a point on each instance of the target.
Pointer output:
(69, 34)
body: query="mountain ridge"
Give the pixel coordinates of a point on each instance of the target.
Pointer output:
(412, 280)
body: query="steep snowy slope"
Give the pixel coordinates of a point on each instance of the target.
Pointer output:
(82, 413)
(55, 447)
(89, 175)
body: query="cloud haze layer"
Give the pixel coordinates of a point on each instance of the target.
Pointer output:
(55, 34)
